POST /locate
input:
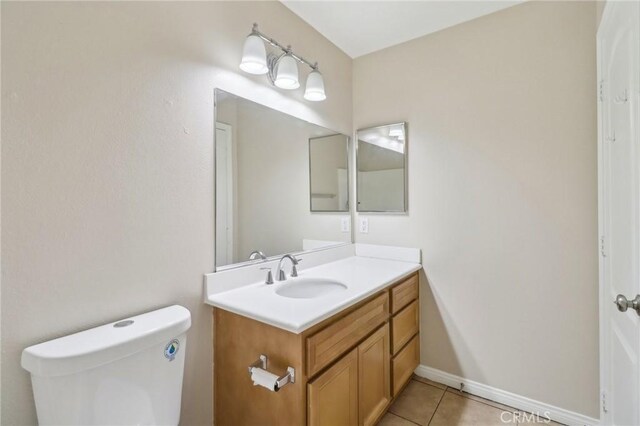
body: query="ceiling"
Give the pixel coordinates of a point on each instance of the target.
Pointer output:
(361, 27)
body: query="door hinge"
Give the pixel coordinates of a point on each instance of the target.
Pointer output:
(601, 91)
(611, 138)
(602, 247)
(604, 402)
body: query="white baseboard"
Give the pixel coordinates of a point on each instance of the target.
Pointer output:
(507, 398)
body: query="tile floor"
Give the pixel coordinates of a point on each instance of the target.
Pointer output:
(424, 402)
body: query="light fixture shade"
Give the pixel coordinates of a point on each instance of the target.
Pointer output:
(396, 131)
(314, 90)
(287, 73)
(254, 56)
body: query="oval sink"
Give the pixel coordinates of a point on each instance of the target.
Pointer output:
(309, 288)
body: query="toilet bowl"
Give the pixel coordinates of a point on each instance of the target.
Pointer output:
(123, 373)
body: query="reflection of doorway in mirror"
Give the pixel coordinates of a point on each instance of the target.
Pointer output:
(329, 179)
(224, 194)
(343, 189)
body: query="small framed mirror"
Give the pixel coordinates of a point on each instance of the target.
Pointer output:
(381, 157)
(329, 173)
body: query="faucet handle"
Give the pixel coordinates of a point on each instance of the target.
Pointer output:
(294, 269)
(269, 279)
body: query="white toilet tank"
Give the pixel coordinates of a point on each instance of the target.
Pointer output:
(124, 373)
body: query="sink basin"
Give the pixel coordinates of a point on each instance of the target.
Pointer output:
(309, 288)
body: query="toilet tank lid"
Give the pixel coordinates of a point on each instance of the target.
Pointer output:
(107, 343)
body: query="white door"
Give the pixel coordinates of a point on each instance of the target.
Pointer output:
(619, 210)
(224, 195)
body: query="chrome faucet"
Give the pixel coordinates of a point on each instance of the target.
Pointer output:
(257, 254)
(269, 279)
(281, 276)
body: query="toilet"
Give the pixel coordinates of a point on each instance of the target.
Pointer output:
(123, 373)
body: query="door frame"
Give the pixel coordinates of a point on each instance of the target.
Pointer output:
(603, 347)
(604, 297)
(230, 184)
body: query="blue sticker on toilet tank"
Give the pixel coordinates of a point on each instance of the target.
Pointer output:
(171, 349)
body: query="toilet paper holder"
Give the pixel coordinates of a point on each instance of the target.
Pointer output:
(285, 379)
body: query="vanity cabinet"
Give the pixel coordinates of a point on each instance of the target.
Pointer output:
(348, 368)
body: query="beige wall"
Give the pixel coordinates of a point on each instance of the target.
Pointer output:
(107, 177)
(502, 194)
(600, 5)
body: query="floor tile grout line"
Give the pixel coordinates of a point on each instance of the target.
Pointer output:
(460, 393)
(404, 418)
(464, 394)
(437, 406)
(427, 384)
(431, 383)
(512, 409)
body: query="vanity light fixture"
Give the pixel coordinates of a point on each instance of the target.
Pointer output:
(394, 132)
(254, 56)
(282, 69)
(286, 75)
(315, 87)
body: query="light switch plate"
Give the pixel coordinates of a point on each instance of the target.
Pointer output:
(364, 225)
(345, 224)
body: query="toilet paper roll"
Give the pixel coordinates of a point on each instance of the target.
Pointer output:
(263, 378)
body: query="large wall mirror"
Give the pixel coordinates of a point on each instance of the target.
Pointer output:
(382, 169)
(270, 167)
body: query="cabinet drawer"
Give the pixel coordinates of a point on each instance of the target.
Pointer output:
(405, 363)
(332, 341)
(404, 325)
(403, 294)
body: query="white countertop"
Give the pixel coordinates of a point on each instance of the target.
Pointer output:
(363, 276)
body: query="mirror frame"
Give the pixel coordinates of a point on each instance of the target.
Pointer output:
(349, 212)
(405, 126)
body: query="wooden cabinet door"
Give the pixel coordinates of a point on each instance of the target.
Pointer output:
(333, 396)
(374, 376)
